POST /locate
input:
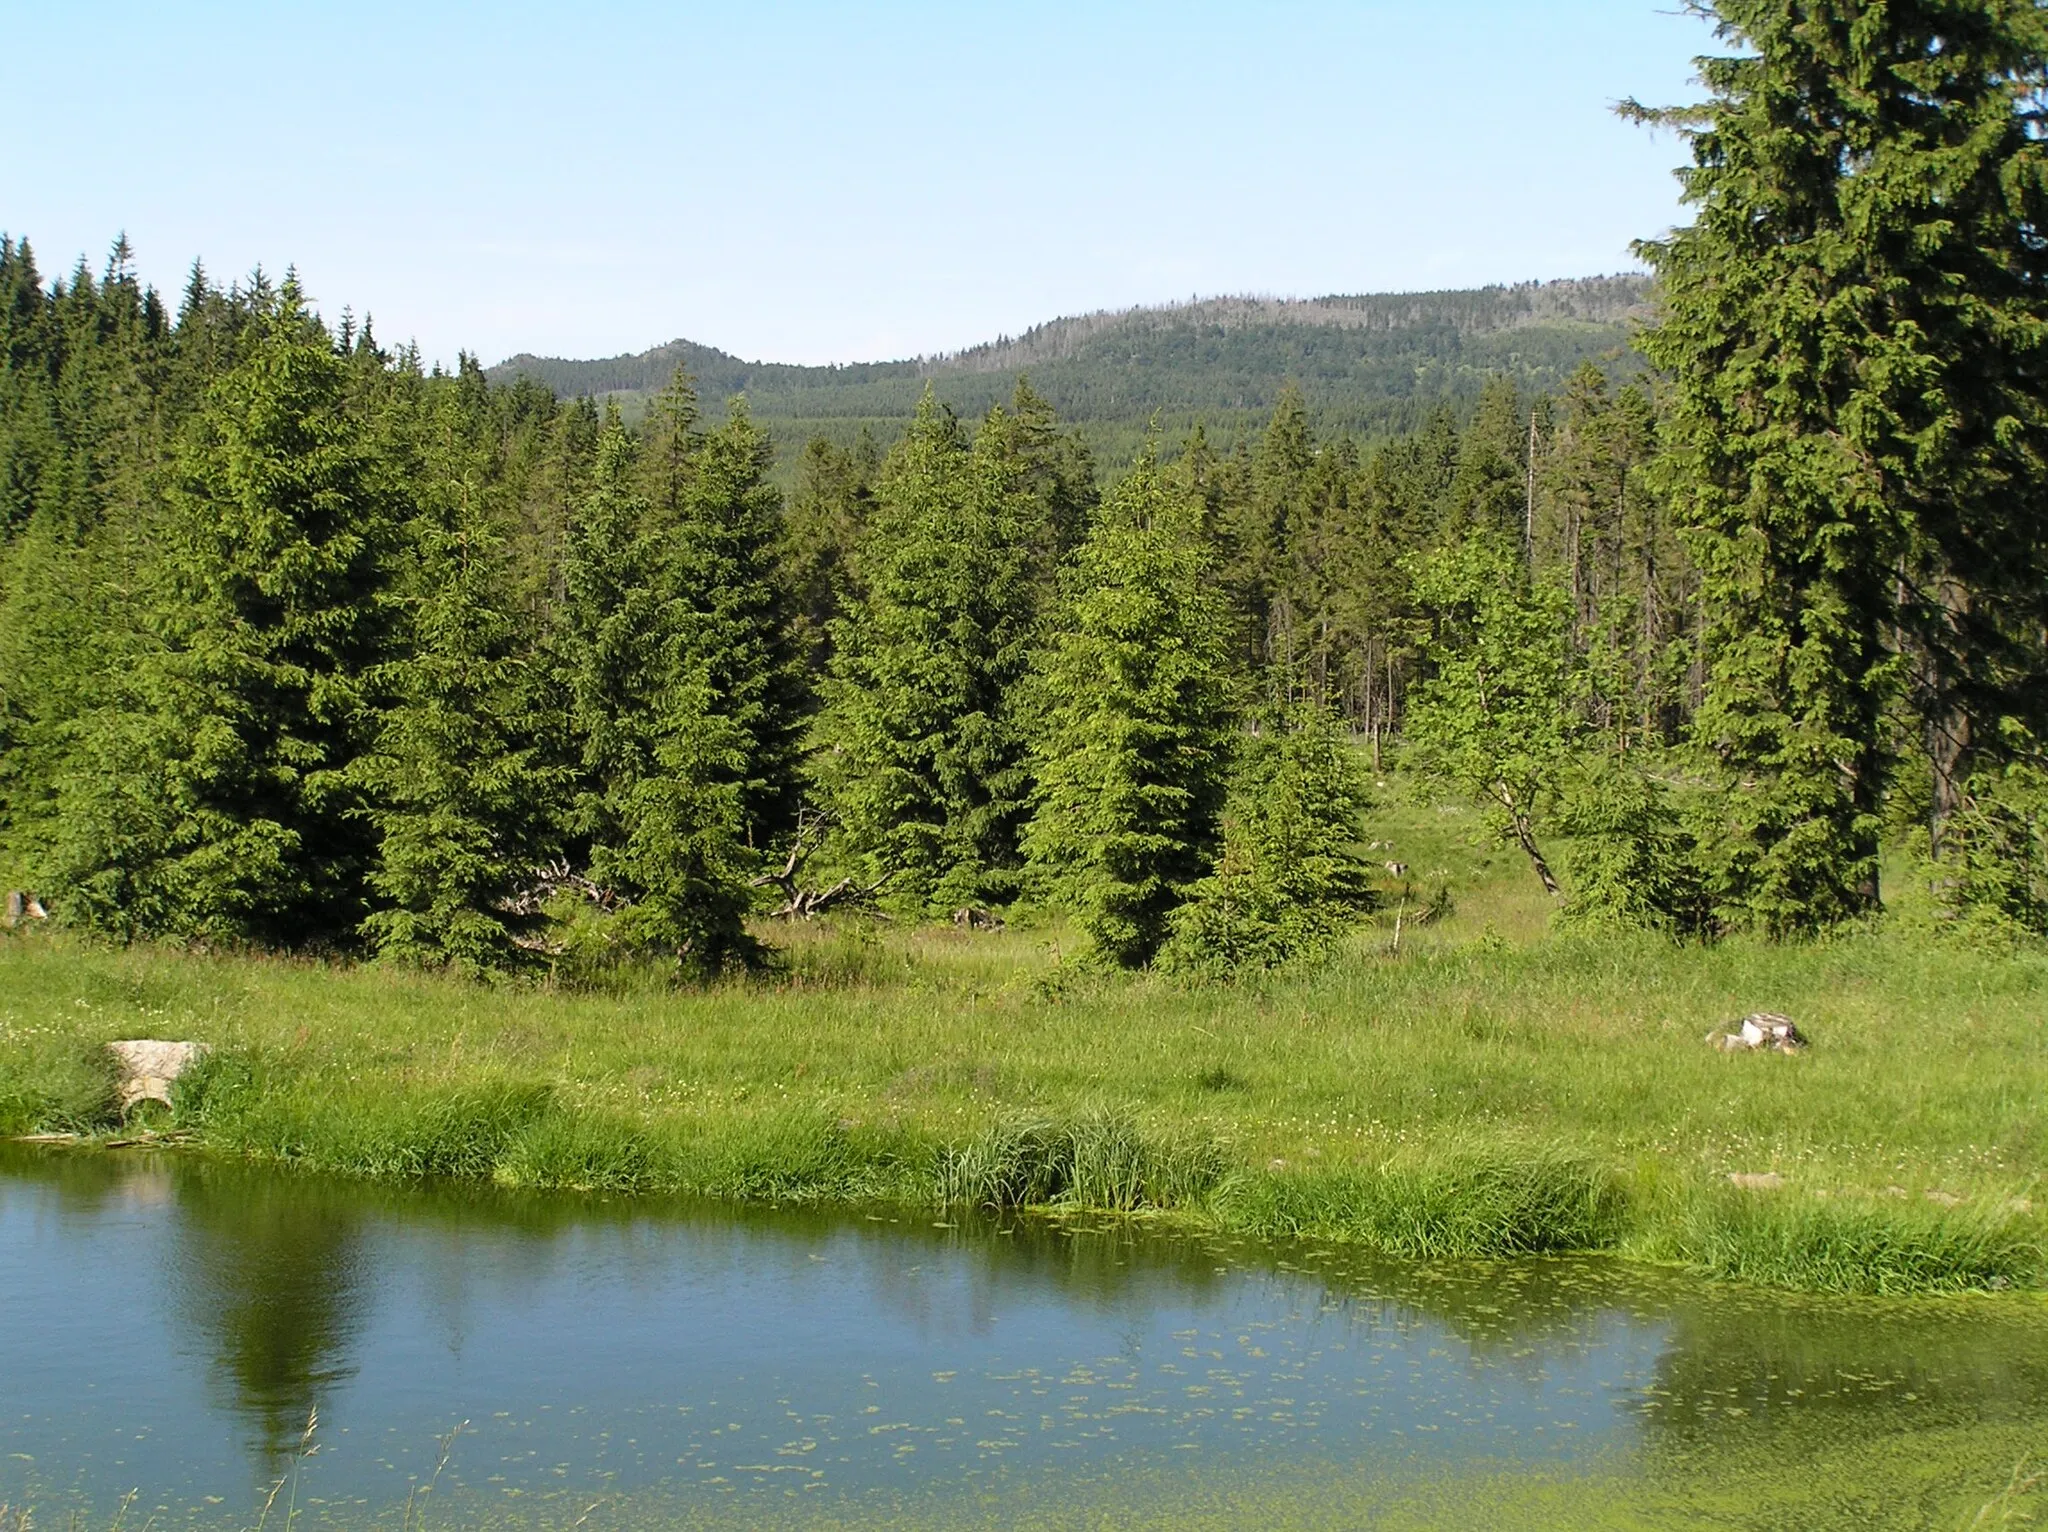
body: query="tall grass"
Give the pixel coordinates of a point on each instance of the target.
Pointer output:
(1490, 1090)
(1840, 1245)
(1458, 1201)
(1100, 1159)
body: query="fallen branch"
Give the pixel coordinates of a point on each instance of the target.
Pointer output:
(808, 903)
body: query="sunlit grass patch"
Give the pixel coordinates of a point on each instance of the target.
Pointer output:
(1450, 1201)
(1852, 1245)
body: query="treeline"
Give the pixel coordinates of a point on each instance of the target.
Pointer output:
(304, 645)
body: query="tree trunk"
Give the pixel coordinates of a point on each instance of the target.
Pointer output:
(1948, 725)
(1536, 860)
(1525, 837)
(1529, 498)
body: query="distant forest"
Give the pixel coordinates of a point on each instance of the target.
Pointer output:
(1368, 367)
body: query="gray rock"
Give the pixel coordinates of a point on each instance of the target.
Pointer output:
(147, 1067)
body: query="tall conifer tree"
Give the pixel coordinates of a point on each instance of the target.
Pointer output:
(457, 788)
(737, 625)
(1135, 747)
(1857, 328)
(215, 798)
(821, 537)
(660, 812)
(921, 757)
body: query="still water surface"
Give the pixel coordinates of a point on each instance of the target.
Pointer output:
(166, 1326)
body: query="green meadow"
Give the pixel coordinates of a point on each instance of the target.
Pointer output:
(1483, 1087)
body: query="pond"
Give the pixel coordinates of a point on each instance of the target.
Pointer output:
(168, 1326)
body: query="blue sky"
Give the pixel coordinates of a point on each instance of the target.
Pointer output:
(809, 182)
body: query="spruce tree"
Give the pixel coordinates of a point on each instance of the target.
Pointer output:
(1993, 876)
(920, 754)
(1055, 479)
(738, 630)
(1633, 860)
(1327, 564)
(81, 426)
(29, 360)
(1856, 324)
(660, 814)
(1262, 524)
(1133, 753)
(1287, 881)
(214, 797)
(457, 789)
(1491, 487)
(669, 445)
(821, 535)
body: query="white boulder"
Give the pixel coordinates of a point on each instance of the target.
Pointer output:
(147, 1067)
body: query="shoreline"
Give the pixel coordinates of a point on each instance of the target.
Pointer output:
(1490, 1090)
(1458, 1206)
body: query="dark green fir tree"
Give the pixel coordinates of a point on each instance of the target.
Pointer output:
(458, 790)
(1856, 325)
(659, 815)
(1135, 745)
(1288, 880)
(215, 797)
(737, 626)
(920, 756)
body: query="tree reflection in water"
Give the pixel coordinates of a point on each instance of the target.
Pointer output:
(592, 1339)
(270, 1271)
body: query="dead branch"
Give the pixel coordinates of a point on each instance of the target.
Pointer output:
(799, 902)
(558, 877)
(808, 903)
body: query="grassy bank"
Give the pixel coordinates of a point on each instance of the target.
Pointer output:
(1487, 1090)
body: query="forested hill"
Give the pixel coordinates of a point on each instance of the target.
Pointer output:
(1371, 365)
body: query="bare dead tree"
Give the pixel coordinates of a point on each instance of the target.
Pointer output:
(799, 902)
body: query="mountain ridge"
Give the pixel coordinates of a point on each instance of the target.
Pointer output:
(1368, 364)
(1597, 299)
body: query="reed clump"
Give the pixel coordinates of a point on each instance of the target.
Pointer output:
(1099, 1159)
(1890, 1247)
(461, 1131)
